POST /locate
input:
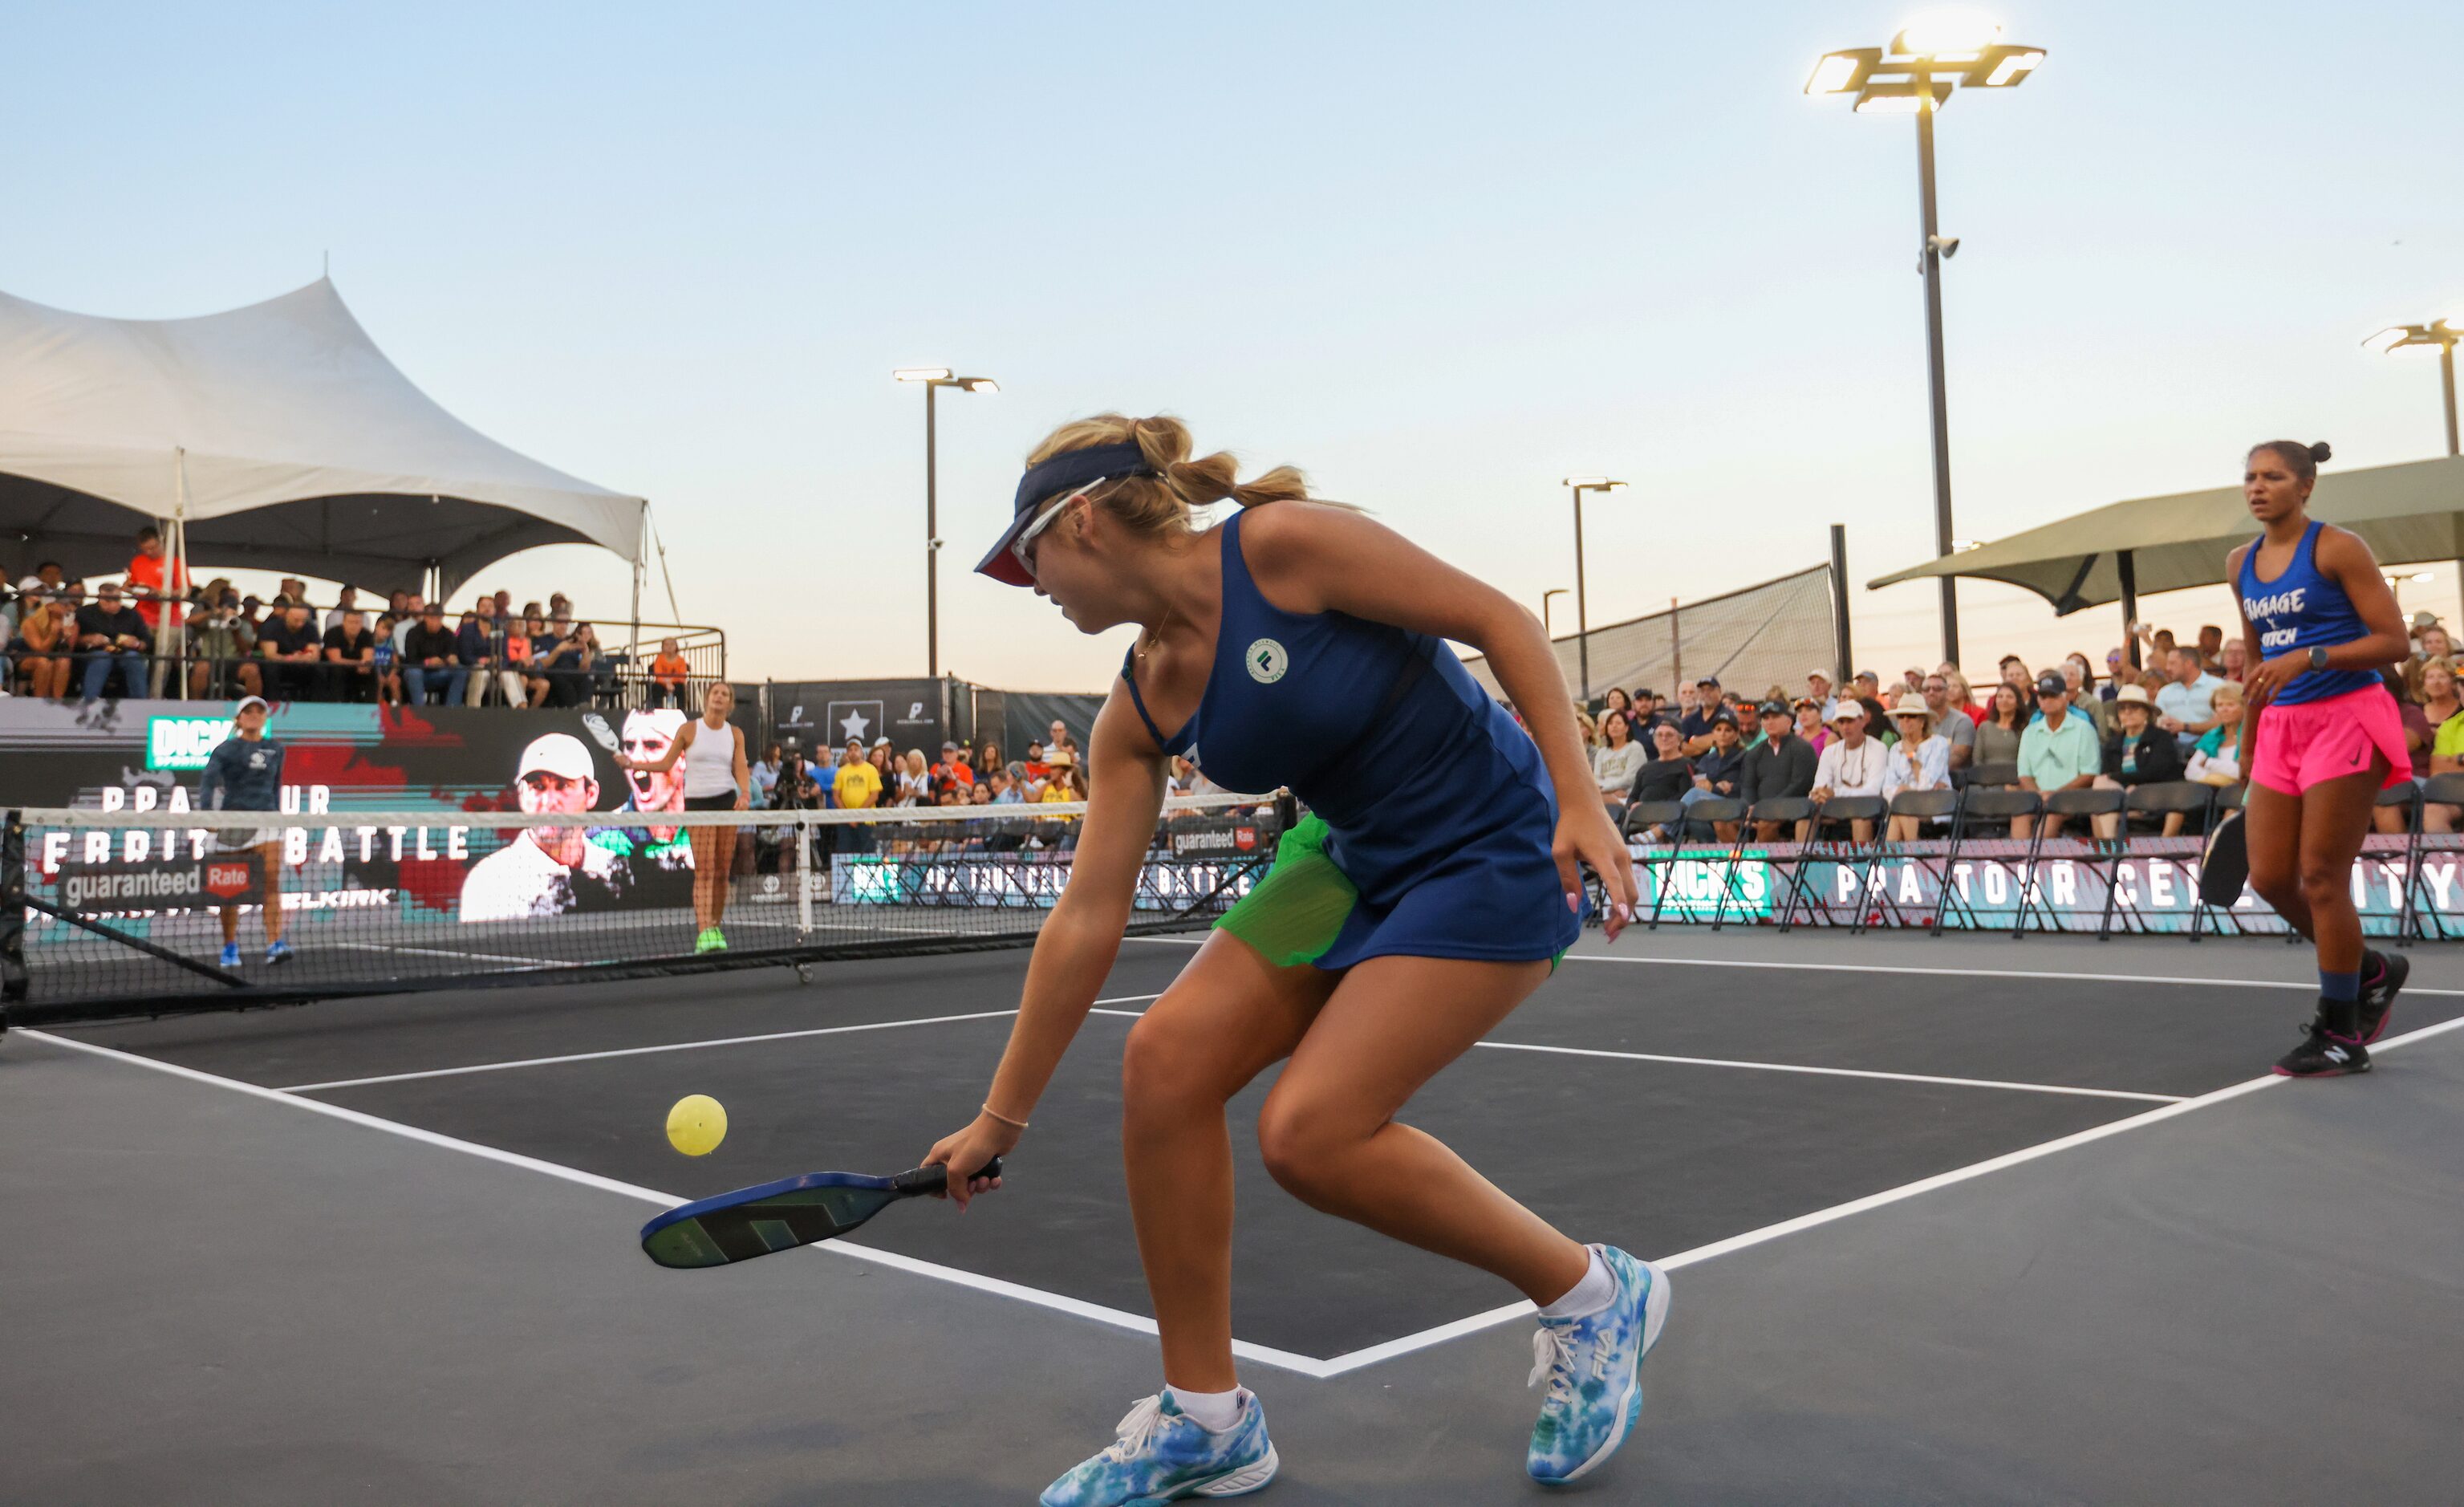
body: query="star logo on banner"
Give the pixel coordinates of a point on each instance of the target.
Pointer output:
(853, 724)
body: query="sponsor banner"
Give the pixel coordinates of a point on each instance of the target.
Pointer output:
(1019, 881)
(1991, 885)
(827, 713)
(1199, 837)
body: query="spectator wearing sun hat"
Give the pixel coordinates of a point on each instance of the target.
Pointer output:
(1919, 761)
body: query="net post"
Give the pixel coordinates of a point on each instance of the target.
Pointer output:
(803, 877)
(1287, 812)
(12, 914)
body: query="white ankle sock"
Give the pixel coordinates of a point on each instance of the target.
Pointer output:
(1211, 1411)
(1589, 1296)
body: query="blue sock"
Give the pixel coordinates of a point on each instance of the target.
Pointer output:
(2339, 1005)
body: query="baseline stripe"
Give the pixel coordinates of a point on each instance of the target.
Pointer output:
(1789, 1067)
(677, 1046)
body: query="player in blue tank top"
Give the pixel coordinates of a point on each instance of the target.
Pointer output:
(1428, 892)
(2322, 736)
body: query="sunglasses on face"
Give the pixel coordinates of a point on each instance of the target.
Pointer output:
(1020, 549)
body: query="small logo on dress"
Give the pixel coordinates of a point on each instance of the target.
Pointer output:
(1267, 661)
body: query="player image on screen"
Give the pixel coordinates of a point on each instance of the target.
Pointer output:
(547, 870)
(659, 858)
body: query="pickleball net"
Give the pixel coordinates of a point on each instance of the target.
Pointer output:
(108, 914)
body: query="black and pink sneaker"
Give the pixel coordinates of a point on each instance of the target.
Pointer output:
(2383, 975)
(2323, 1054)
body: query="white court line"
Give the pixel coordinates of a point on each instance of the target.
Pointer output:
(1956, 973)
(677, 1046)
(1787, 1066)
(1975, 973)
(1284, 1359)
(1353, 1360)
(1836, 1073)
(440, 952)
(1118, 1318)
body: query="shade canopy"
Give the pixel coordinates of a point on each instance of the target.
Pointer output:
(2404, 513)
(279, 435)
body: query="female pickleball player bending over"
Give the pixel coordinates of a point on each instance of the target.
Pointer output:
(715, 782)
(1428, 892)
(2318, 623)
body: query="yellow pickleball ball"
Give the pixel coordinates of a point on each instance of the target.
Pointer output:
(696, 1124)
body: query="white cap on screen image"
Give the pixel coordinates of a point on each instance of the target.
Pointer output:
(558, 754)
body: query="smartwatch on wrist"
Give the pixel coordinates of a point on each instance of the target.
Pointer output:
(2317, 656)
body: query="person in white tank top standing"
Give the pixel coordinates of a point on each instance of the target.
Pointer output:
(714, 781)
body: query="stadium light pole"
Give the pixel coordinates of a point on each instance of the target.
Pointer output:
(1545, 597)
(1582, 606)
(933, 380)
(2441, 335)
(1932, 56)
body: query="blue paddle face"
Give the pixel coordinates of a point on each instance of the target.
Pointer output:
(780, 1216)
(755, 1221)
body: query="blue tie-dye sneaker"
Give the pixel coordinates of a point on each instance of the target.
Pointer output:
(1593, 1366)
(1163, 1454)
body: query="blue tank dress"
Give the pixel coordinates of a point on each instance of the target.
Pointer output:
(1428, 801)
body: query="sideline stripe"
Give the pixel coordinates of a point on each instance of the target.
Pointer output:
(1984, 973)
(1354, 1359)
(1789, 1067)
(1956, 973)
(1264, 1355)
(677, 1046)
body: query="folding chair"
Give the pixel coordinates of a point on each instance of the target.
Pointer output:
(1838, 813)
(2186, 796)
(1993, 776)
(2086, 805)
(1719, 809)
(1925, 805)
(2439, 789)
(1640, 817)
(1789, 809)
(1978, 803)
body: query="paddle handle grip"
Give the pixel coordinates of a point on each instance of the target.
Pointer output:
(926, 1180)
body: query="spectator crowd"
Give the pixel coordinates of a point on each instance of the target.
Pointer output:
(62, 638)
(2173, 717)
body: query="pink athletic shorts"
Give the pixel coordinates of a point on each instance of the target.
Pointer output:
(2301, 745)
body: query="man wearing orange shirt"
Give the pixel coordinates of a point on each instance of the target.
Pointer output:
(153, 576)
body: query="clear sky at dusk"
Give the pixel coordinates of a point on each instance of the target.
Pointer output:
(1437, 256)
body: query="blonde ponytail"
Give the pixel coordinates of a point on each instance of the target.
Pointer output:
(1162, 503)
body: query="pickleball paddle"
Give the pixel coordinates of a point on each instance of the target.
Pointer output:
(782, 1215)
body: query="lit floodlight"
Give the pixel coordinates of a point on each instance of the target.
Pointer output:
(1948, 36)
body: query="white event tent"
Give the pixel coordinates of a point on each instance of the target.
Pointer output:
(276, 437)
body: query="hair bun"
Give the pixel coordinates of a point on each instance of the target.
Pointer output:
(2319, 451)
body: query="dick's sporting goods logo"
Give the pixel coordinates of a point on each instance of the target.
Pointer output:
(1267, 661)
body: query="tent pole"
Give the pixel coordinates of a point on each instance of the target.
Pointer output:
(633, 642)
(176, 568)
(2129, 570)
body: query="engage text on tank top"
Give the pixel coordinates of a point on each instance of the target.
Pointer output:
(2302, 609)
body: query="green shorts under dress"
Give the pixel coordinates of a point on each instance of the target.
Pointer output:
(1295, 914)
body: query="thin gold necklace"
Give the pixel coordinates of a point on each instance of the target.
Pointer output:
(1154, 640)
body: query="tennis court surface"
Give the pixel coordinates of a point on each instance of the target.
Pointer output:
(1954, 1220)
